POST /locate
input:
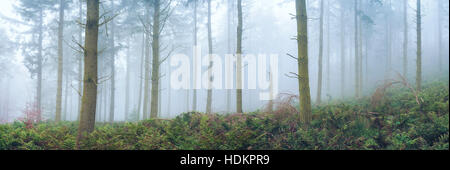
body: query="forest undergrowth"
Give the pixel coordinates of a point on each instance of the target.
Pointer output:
(395, 117)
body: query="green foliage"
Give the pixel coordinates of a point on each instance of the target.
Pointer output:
(399, 123)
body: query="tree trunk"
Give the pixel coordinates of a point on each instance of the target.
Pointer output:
(419, 47)
(39, 65)
(141, 69)
(155, 63)
(113, 69)
(194, 97)
(439, 11)
(66, 95)
(147, 66)
(89, 101)
(405, 38)
(239, 61)
(229, 10)
(303, 73)
(210, 49)
(60, 61)
(80, 62)
(319, 83)
(343, 48)
(357, 95)
(361, 57)
(328, 51)
(127, 83)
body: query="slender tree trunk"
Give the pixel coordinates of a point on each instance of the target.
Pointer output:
(60, 61)
(319, 83)
(127, 83)
(194, 97)
(343, 48)
(156, 63)
(80, 62)
(89, 101)
(106, 90)
(388, 43)
(141, 68)
(239, 61)
(405, 38)
(328, 51)
(113, 68)
(419, 47)
(100, 95)
(147, 66)
(356, 51)
(210, 49)
(361, 57)
(229, 48)
(39, 65)
(439, 11)
(66, 94)
(303, 73)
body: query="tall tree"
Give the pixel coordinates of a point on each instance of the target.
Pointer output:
(127, 83)
(356, 51)
(194, 97)
(239, 60)
(147, 61)
(80, 61)
(328, 50)
(320, 78)
(210, 52)
(343, 48)
(419, 47)
(60, 60)
(405, 38)
(439, 13)
(155, 62)
(303, 73)
(33, 11)
(160, 17)
(113, 67)
(89, 100)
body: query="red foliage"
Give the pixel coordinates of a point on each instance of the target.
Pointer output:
(32, 115)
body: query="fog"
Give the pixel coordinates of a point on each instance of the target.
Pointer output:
(269, 27)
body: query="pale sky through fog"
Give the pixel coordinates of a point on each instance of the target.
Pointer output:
(21, 86)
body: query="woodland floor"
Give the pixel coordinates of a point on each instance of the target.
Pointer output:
(391, 119)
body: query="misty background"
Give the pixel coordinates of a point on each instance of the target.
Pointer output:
(269, 28)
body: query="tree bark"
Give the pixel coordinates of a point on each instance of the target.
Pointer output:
(194, 97)
(60, 61)
(357, 95)
(113, 68)
(439, 12)
(320, 78)
(89, 101)
(239, 61)
(141, 69)
(405, 38)
(147, 66)
(210, 49)
(80, 62)
(343, 48)
(39, 65)
(328, 51)
(419, 47)
(303, 73)
(155, 63)
(127, 83)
